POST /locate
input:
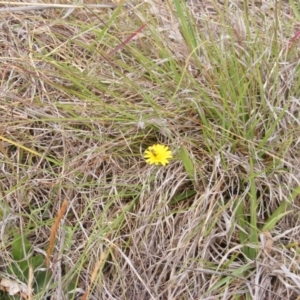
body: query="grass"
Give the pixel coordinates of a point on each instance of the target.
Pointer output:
(84, 92)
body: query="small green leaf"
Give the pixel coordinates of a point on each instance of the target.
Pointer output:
(182, 196)
(187, 162)
(281, 211)
(72, 289)
(23, 267)
(37, 261)
(240, 219)
(20, 247)
(42, 278)
(278, 214)
(15, 271)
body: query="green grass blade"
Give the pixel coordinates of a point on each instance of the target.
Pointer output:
(187, 162)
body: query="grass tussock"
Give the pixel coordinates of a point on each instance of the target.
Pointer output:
(85, 90)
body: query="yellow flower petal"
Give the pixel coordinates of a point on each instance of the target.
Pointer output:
(158, 154)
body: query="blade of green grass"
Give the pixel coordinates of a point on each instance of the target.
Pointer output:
(187, 162)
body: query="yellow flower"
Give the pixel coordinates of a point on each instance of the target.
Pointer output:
(158, 154)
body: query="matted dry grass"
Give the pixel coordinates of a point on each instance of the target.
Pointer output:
(76, 116)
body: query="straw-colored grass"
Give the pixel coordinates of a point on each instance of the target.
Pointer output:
(86, 89)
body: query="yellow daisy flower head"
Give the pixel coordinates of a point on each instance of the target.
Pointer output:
(158, 154)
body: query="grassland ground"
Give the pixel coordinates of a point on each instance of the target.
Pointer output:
(87, 88)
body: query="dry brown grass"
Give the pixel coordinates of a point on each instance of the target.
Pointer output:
(75, 122)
